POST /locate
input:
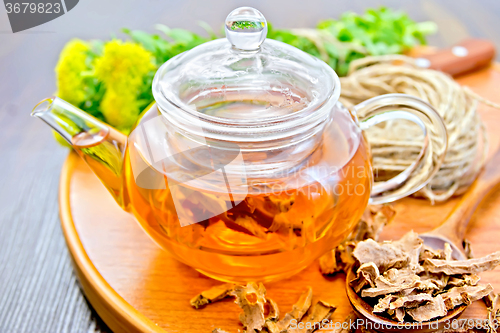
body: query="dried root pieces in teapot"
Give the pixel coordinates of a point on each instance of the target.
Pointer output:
(407, 281)
(394, 150)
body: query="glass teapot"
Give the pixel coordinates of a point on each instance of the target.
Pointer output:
(247, 168)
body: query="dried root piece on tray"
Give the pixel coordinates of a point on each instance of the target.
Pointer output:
(433, 309)
(331, 262)
(318, 314)
(212, 295)
(261, 314)
(271, 311)
(251, 299)
(298, 310)
(469, 266)
(374, 219)
(346, 257)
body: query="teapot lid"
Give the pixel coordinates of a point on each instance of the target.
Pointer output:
(245, 77)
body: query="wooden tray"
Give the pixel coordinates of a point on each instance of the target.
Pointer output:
(137, 287)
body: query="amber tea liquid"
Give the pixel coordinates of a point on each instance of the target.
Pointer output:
(273, 232)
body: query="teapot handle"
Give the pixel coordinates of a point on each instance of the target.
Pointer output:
(401, 106)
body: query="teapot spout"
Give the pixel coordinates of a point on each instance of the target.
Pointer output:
(101, 146)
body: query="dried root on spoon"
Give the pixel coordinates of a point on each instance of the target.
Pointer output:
(492, 301)
(369, 227)
(407, 281)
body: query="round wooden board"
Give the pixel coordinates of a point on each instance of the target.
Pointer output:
(137, 287)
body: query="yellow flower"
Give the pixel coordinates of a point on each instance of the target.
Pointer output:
(69, 68)
(120, 111)
(122, 69)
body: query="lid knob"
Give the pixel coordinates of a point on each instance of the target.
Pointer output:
(246, 28)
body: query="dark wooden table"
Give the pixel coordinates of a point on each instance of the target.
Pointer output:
(38, 290)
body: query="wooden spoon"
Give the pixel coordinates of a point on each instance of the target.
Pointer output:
(451, 231)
